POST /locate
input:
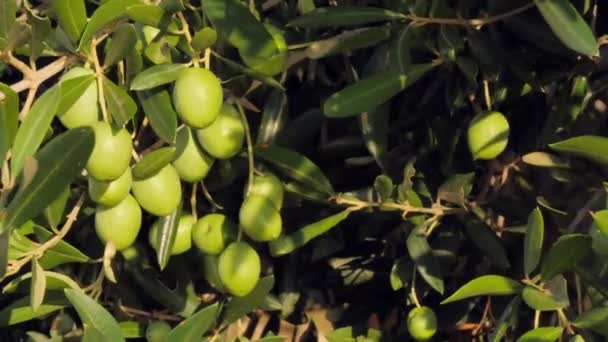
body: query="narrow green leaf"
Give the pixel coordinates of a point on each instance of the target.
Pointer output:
(94, 315)
(487, 242)
(384, 186)
(157, 106)
(533, 242)
(9, 114)
(41, 28)
(268, 80)
(61, 253)
(72, 89)
(60, 161)
(544, 334)
(591, 147)
(273, 118)
(543, 159)
(156, 75)
(374, 126)
(38, 285)
(565, 253)
(104, 15)
(8, 11)
(456, 188)
(569, 26)
(122, 43)
(507, 319)
(153, 162)
(238, 307)
(55, 210)
(541, 301)
(72, 17)
(288, 243)
(420, 251)
(401, 273)
(4, 250)
(600, 218)
(165, 237)
(488, 285)
(369, 93)
(203, 39)
(343, 16)
(91, 334)
(54, 281)
(120, 104)
(21, 311)
(348, 41)
(296, 166)
(595, 320)
(33, 129)
(233, 20)
(154, 16)
(132, 329)
(193, 328)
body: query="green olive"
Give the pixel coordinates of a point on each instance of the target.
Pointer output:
(111, 154)
(211, 272)
(183, 235)
(239, 268)
(270, 187)
(84, 112)
(488, 135)
(422, 323)
(120, 223)
(159, 194)
(212, 232)
(191, 162)
(273, 65)
(157, 331)
(224, 138)
(110, 192)
(197, 96)
(260, 219)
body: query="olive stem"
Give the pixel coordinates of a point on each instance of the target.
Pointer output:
(436, 210)
(186, 32)
(486, 94)
(536, 319)
(413, 294)
(207, 58)
(477, 22)
(249, 145)
(209, 197)
(565, 321)
(99, 76)
(153, 315)
(193, 202)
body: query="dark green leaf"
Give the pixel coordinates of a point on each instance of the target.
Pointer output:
(9, 114)
(4, 250)
(288, 243)
(33, 129)
(204, 39)
(273, 118)
(344, 16)
(54, 281)
(21, 310)
(569, 26)
(154, 16)
(420, 251)
(401, 272)
(591, 147)
(165, 237)
(94, 315)
(55, 210)
(104, 15)
(60, 161)
(120, 104)
(541, 301)
(383, 185)
(159, 110)
(38, 285)
(564, 254)
(72, 89)
(238, 307)
(193, 328)
(295, 166)
(369, 93)
(544, 334)
(487, 241)
(533, 242)
(374, 126)
(595, 320)
(507, 319)
(268, 80)
(72, 17)
(156, 75)
(41, 27)
(8, 10)
(488, 285)
(348, 41)
(153, 162)
(61, 253)
(122, 43)
(456, 188)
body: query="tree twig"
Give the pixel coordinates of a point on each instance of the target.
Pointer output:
(477, 22)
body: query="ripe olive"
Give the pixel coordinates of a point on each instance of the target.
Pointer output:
(191, 162)
(270, 187)
(422, 323)
(239, 268)
(111, 154)
(224, 138)
(212, 232)
(273, 65)
(197, 96)
(120, 223)
(84, 112)
(183, 235)
(488, 135)
(110, 192)
(159, 194)
(260, 219)
(157, 331)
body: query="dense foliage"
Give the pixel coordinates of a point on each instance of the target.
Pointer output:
(296, 170)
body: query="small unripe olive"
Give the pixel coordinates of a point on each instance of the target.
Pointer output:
(260, 219)
(111, 153)
(422, 323)
(159, 194)
(212, 232)
(191, 162)
(270, 187)
(488, 135)
(273, 65)
(197, 96)
(239, 268)
(224, 138)
(110, 192)
(84, 112)
(157, 331)
(183, 235)
(120, 223)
